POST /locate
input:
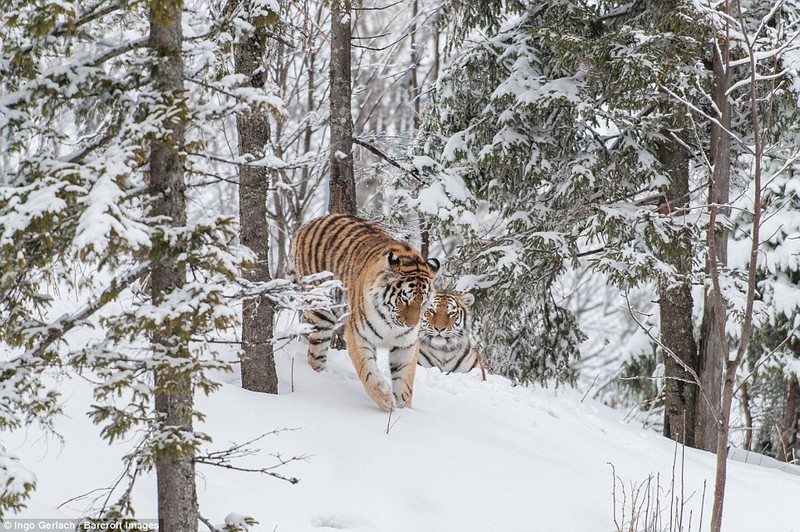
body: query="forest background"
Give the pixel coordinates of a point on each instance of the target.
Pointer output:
(556, 155)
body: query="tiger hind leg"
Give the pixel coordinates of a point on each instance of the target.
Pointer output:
(324, 323)
(403, 366)
(364, 359)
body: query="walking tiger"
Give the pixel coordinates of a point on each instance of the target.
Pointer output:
(387, 285)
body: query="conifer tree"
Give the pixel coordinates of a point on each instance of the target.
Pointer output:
(98, 145)
(564, 176)
(174, 390)
(772, 402)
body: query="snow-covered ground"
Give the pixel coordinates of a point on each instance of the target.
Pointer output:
(470, 456)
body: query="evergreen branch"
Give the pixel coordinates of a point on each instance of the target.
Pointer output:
(59, 77)
(763, 360)
(209, 86)
(668, 352)
(246, 164)
(413, 172)
(93, 13)
(206, 522)
(66, 323)
(229, 14)
(224, 342)
(620, 11)
(377, 8)
(692, 107)
(75, 158)
(590, 252)
(115, 52)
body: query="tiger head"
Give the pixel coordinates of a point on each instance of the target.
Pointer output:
(447, 315)
(408, 282)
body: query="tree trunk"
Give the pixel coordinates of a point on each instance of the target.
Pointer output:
(258, 359)
(675, 300)
(722, 445)
(787, 450)
(342, 184)
(416, 93)
(713, 341)
(177, 501)
(747, 411)
(732, 365)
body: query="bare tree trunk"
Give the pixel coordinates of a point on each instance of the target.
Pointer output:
(675, 301)
(722, 446)
(342, 184)
(732, 365)
(713, 341)
(416, 92)
(415, 89)
(174, 398)
(278, 216)
(300, 198)
(258, 360)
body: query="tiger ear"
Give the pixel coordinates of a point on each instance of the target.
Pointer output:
(468, 299)
(434, 264)
(394, 260)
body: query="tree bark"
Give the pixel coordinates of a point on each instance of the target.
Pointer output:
(342, 183)
(787, 450)
(175, 470)
(675, 301)
(722, 445)
(748, 417)
(713, 341)
(258, 359)
(416, 93)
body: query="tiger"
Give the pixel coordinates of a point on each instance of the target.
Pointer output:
(387, 285)
(445, 340)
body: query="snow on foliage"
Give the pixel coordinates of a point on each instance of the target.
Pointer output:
(16, 482)
(515, 116)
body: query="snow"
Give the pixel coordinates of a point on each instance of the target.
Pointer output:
(470, 456)
(13, 475)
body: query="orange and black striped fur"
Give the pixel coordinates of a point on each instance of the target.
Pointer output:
(444, 340)
(388, 284)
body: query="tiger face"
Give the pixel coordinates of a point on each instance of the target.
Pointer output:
(409, 283)
(447, 315)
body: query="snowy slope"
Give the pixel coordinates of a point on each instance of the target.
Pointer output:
(470, 456)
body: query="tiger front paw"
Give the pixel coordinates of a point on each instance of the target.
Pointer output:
(403, 400)
(317, 362)
(382, 396)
